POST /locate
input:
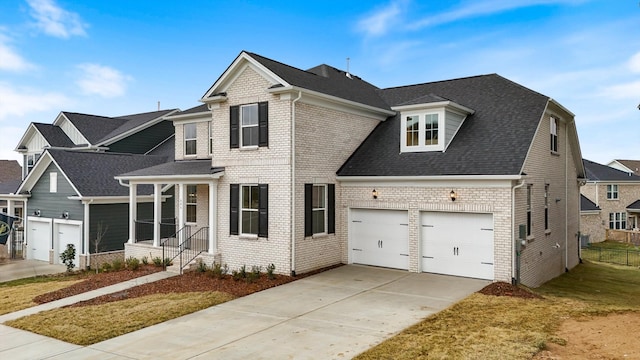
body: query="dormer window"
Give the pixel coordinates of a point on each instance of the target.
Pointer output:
(430, 126)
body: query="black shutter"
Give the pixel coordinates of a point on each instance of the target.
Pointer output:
(263, 210)
(331, 208)
(263, 124)
(234, 132)
(308, 211)
(235, 204)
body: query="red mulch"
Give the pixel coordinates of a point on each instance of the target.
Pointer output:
(95, 281)
(506, 289)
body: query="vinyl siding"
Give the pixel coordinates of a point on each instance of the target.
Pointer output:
(52, 205)
(452, 123)
(144, 140)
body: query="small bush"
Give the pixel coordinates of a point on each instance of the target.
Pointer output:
(201, 267)
(235, 274)
(157, 261)
(167, 262)
(243, 271)
(132, 263)
(106, 267)
(67, 257)
(270, 269)
(145, 260)
(117, 265)
(254, 274)
(219, 271)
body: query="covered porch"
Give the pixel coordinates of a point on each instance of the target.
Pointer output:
(193, 229)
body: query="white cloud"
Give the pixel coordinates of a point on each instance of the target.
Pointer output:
(20, 102)
(56, 21)
(10, 60)
(380, 21)
(102, 80)
(629, 90)
(634, 63)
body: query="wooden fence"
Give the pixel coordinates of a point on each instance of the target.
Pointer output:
(623, 236)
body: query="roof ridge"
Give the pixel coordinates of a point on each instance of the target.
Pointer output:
(440, 81)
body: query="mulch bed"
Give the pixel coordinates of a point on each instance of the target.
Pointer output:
(94, 281)
(506, 289)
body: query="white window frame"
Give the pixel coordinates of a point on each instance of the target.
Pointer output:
(249, 209)
(242, 126)
(546, 207)
(53, 182)
(529, 210)
(618, 220)
(318, 209)
(191, 201)
(422, 131)
(189, 139)
(612, 191)
(554, 134)
(210, 138)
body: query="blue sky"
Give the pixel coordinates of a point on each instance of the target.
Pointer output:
(120, 57)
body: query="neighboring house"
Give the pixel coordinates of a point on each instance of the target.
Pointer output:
(616, 193)
(74, 190)
(306, 169)
(630, 166)
(591, 224)
(10, 178)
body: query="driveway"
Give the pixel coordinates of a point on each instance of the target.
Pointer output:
(18, 269)
(333, 315)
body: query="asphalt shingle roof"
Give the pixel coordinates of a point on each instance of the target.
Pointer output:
(634, 205)
(92, 173)
(54, 135)
(193, 110)
(587, 205)
(633, 165)
(493, 141)
(134, 121)
(184, 167)
(599, 172)
(326, 80)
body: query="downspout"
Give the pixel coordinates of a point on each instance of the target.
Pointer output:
(293, 183)
(87, 223)
(513, 229)
(566, 197)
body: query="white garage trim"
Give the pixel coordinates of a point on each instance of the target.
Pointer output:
(379, 237)
(39, 241)
(67, 232)
(459, 244)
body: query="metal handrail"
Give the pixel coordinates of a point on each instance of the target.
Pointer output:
(187, 250)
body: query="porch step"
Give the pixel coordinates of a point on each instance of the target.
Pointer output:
(175, 268)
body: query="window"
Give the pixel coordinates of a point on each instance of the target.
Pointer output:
(249, 125)
(192, 201)
(529, 222)
(546, 206)
(53, 182)
(249, 209)
(190, 133)
(554, 134)
(422, 132)
(319, 209)
(31, 160)
(210, 138)
(612, 192)
(618, 220)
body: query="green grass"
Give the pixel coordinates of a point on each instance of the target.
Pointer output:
(91, 324)
(490, 327)
(614, 245)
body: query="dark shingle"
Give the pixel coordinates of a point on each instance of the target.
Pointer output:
(54, 135)
(92, 173)
(184, 167)
(587, 205)
(599, 172)
(193, 110)
(94, 127)
(633, 206)
(493, 141)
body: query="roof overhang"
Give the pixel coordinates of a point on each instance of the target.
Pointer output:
(446, 181)
(590, 212)
(440, 104)
(39, 169)
(114, 199)
(170, 179)
(31, 130)
(198, 115)
(15, 196)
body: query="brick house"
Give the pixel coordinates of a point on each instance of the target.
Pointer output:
(615, 194)
(309, 168)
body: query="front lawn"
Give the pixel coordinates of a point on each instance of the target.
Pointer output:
(18, 297)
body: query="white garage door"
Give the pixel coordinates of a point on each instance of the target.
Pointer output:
(38, 240)
(380, 238)
(68, 234)
(459, 244)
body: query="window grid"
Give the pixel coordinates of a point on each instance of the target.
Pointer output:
(413, 131)
(431, 129)
(249, 125)
(210, 138)
(554, 134)
(618, 220)
(192, 201)
(190, 133)
(319, 209)
(249, 204)
(546, 206)
(612, 192)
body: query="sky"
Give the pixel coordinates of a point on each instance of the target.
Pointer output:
(121, 57)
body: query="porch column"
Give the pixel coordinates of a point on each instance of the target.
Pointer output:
(133, 214)
(157, 213)
(181, 219)
(10, 207)
(213, 210)
(86, 226)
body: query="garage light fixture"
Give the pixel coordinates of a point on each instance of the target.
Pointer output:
(65, 215)
(374, 193)
(453, 195)
(37, 212)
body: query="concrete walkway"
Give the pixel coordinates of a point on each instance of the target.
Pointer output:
(333, 315)
(20, 269)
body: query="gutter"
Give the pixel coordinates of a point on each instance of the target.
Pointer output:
(513, 230)
(293, 183)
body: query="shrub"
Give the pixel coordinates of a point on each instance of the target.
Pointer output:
(243, 271)
(254, 274)
(117, 265)
(132, 263)
(67, 257)
(157, 261)
(145, 260)
(167, 262)
(235, 274)
(201, 266)
(219, 271)
(106, 267)
(270, 269)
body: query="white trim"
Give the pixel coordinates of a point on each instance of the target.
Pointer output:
(192, 120)
(38, 170)
(422, 119)
(592, 212)
(27, 136)
(62, 118)
(434, 105)
(123, 199)
(53, 182)
(376, 179)
(164, 179)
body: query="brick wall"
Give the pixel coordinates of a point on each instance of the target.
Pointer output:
(595, 226)
(549, 252)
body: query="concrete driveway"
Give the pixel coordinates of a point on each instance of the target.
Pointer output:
(18, 269)
(333, 315)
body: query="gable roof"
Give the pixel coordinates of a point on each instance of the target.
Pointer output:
(136, 120)
(54, 135)
(322, 79)
(631, 165)
(10, 176)
(92, 173)
(587, 205)
(599, 172)
(494, 140)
